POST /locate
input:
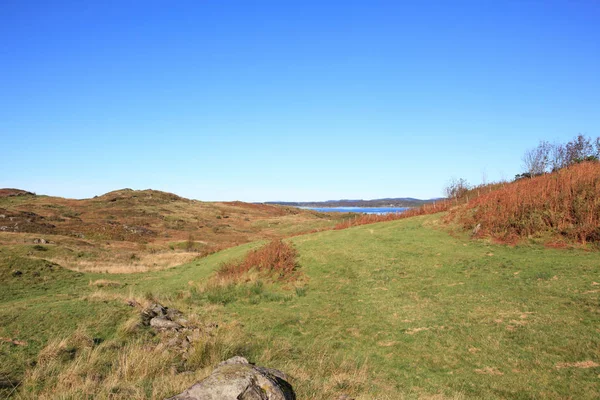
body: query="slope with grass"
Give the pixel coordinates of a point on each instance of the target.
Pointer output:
(400, 309)
(140, 230)
(560, 207)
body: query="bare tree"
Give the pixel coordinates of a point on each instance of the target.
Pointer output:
(579, 149)
(537, 160)
(456, 188)
(547, 157)
(558, 156)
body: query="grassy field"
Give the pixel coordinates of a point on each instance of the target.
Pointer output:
(401, 309)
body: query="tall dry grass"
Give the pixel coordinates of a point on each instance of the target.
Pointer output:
(564, 203)
(126, 263)
(135, 364)
(277, 259)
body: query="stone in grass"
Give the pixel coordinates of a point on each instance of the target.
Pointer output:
(155, 310)
(237, 379)
(163, 323)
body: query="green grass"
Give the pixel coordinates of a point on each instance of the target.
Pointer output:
(393, 310)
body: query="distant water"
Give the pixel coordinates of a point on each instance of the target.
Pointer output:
(361, 210)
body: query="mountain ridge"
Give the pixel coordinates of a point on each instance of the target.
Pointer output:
(384, 202)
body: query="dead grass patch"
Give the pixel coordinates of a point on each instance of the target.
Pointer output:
(127, 264)
(579, 364)
(489, 371)
(412, 331)
(13, 341)
(105, 283)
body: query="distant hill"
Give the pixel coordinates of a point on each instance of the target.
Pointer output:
(387, 202)
(7, 192)
(142, 216)
(130, 229)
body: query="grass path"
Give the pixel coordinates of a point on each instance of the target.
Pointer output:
(434, 314)
(391, 310)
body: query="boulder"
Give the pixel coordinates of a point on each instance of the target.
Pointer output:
(155, 310)
(160, 317)
(237, 379)
(163, 323)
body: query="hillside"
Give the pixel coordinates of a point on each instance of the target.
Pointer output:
(393, 310)
(135, 230)
(7, 192)
(561, 207)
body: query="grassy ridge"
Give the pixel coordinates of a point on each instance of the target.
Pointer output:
(391, 310)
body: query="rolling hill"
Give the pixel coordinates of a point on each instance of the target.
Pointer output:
(136, 230)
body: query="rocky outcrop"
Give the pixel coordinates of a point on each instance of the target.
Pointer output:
(237, 379)
(160, 317)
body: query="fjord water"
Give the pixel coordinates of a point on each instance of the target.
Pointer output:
(361, 210)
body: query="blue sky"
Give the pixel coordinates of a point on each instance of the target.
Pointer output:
(288, 100)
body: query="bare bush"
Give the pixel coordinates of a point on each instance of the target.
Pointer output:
(456, 188)
(548, 157)
(537, 160)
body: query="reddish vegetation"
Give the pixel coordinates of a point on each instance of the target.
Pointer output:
(14, 192)
(273, 210)
(566, 202)
(134, 230)
(149, 216)
(276, 258)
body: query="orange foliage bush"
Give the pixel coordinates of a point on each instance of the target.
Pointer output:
(275, 258)
(566, 202)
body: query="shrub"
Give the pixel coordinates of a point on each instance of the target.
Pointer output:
(277, 258)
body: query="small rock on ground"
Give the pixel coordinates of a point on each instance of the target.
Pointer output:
(237, 379)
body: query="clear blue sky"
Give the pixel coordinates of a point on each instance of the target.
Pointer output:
(288, 100)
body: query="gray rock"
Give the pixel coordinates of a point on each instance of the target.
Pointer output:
(173, 314)
(158, 310)
(155, 310)
(233, 360)
(236, 379)
(163, 323)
